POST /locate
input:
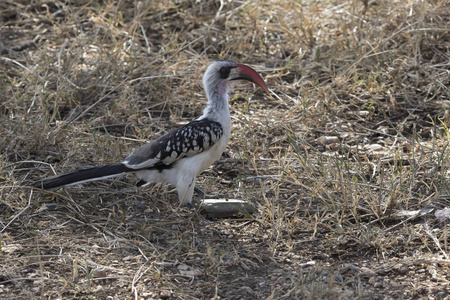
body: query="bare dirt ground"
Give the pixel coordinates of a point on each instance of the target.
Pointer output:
(348, 163)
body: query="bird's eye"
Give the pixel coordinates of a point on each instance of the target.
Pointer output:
(224, 72)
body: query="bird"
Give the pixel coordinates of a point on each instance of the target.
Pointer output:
(178, 156)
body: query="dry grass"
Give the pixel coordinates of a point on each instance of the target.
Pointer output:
(348, 163)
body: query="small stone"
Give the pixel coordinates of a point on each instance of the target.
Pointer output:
(99, 273)
(378, 284)
(248, 290)
(307, 264)
(98, 288)
(348, 268)
(327, 140)
(192, 273)
(11, 248)
(372, 280)
(367, 272)
(37, 282)
(51, 206)
(165, 294)
(374, 148)
(402, 270)
(219, 208)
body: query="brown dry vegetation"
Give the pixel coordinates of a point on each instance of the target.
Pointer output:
(347, 164)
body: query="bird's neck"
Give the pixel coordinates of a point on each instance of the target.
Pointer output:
(217, 108)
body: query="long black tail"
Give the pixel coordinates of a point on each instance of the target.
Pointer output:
(90, 174)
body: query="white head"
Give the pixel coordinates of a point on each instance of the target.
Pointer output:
(219, 73)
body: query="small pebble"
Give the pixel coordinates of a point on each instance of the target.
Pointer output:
(165, 294)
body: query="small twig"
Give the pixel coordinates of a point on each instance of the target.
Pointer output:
(150, 78)
(222, 4)
(278, 97)
(142, 253)
(23, 67)
(392, 136)
(435, 240)
(145, 38)
(428, 29)
(260, 177)
(60, 53)
(15, 280)
(323, 231)
(15, 217)
(404, 221)
(27, 44)
(17, 63)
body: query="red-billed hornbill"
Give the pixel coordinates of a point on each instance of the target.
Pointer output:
(180, 155)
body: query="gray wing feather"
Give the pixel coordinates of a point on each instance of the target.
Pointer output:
(187, 141)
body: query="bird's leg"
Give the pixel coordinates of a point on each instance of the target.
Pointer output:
(200, 192)
(194, 210)
(205, 195)
(185, 188)
(191, 206)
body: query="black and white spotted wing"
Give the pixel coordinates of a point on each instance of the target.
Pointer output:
(189, 140)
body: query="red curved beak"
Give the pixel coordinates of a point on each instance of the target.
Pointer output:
(244, 72)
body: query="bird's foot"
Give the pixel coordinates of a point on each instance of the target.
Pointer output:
(191, 206)
(195, 212)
